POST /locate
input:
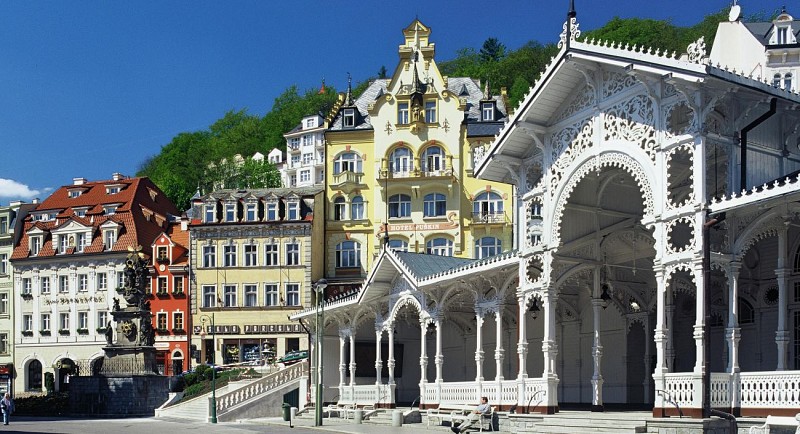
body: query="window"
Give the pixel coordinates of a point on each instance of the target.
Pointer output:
(295, 160)
(162, 285)
(81, 242)
(308, 157)
(433, 160)
(787, 81)
(230, 212)
(435, 205)
(399, 206)
(782, 33)
(439, 246)
(348, 254)
(487, 205)
(430, 112)
(27, 287)
(45, 326)
(309, 123)
(120, 279)
(339, 209)
(27, 322)
(210, 214)
(357, 208)
(109, 238)
(177, 285)
(250, 295)
(102, 282)
(63, 243)
(294, 142)
(402, 113)
(80, 212)
(209, 296)
(271, 255)
(776, 80)
(305, 176)
(272, 211)
(229, 256)
(102, 319)
(63, 321)
(45, 283)
(488, 246)
(398, 245)
(3, 343)
(3, 303)
(3, 225)
(229, 291)
(292, 212)
(161, 253)
(292, 294)
(161, 321)
(63, 283)
(110, 209)
(250, 255)
(177, 320)
(746, 312)
(209, 256)
(250, 211)
(112, 190)
(74, 193)
(36, 245)
(487, 111)
(401, 162)
(293, 254)
(83, 282)
(83, 320)
(347, 162)
(270, 294)
(4, 264)
(349, 118)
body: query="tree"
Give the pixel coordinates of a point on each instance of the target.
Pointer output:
(492, 50)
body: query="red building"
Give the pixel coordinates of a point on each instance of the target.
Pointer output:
(170, 304)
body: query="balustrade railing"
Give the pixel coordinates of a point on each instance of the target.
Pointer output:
(275, 380)
(779, 389)
(347, 177)
(366, 394)
(681, 388)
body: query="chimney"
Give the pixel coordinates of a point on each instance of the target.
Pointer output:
(16, 203)
(116, 176)
(35, 200)
(78, 181)
(184, 223)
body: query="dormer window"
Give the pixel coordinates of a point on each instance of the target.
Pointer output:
(64, 243)
(210, 216)
(787, 81)
(162, 254)
(310, 123)
(349, 119)
(293, 211)
(272, 211)
(74, 193)
(81, 244)
(230, 212)
(109, 209)
(36, 245)
(109, 238)
(402, 113)
(250, 211)
(112, 190)
(80, 212)
(487, 111)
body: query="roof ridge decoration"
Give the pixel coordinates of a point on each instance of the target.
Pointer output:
(697, 51)
(569, 31)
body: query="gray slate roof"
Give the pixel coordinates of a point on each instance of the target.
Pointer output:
(262, 192)
(422, 265)
(762, 30)
(376, 88)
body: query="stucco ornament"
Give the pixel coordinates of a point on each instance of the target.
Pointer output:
(697, 51)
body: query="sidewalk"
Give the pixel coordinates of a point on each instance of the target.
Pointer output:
(347, 426)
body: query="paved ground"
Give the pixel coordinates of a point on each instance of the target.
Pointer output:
(157, 426)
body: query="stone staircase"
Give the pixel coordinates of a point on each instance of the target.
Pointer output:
(574, 422)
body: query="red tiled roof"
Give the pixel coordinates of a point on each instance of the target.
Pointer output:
(136, 229)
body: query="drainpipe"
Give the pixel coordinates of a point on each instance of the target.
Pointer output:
(773, 103)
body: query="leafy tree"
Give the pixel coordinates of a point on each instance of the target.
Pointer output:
(492, 50)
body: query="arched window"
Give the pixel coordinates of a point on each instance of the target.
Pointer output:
(439, 246)
(348, 254)
(347, 162)
(797, 260)
(488, 246)
(433, 160)
(357, 208)
(399, 206)
(435, 205)
(401, 162)
(747, 315)
(776, 80)
(787, 81)
(487, 206)
(34, 375)
(398, 245)
(339, 208)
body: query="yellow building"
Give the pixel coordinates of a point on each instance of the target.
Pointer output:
(253, 263)
(402, 153)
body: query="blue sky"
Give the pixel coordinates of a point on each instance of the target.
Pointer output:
(94, 87)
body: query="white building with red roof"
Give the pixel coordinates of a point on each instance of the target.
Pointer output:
(67, 263)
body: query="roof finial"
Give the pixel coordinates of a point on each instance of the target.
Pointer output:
(349, 97)
(572, 13)
(570, 31)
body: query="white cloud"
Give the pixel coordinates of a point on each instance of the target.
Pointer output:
(13, 189)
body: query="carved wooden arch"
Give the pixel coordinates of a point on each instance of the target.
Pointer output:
(408, 300)
(680, 284)
(578, 269)
(764, 226)
(633, 162)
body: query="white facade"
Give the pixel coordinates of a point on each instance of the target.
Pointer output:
(305, 154)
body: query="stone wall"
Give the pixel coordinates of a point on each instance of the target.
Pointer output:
(118, 396)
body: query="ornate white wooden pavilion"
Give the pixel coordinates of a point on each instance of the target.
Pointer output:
(622, 156)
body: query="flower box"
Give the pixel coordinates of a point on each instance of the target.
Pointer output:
(101, 330)
(162, 331)
(27, 295)
(27, 333)
(44, 332)
(83, 331)
(63, 332)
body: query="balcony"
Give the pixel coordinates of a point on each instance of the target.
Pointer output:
(443, 170)
(347, 180)
(489, 218)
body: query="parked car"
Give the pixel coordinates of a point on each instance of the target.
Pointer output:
(293, 357)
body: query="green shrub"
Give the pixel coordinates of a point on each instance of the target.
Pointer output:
(52, 404)
(49, 382)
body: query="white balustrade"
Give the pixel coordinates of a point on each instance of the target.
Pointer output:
(720, 389)
(367, 394)
(680, 387)
(772, 389)
(270, 382)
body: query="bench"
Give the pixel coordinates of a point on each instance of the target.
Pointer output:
(486, 419)
(346, 411)
(448, 413)
(776, 421)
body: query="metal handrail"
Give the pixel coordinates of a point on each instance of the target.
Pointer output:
(668, 397)
(535, 394)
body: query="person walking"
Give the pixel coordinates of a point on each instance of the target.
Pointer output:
(7, 407)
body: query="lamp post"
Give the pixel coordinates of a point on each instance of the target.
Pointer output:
(319, 288)
(203, 319)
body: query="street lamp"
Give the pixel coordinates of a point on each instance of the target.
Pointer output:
(203, 319)
(319, 288)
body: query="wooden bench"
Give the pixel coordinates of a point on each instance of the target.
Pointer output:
(448, 413)
(487, 419)
(776, 421)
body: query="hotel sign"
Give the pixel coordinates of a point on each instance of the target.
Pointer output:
(273, 328)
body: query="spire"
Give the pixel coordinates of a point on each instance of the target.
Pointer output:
(348, 100)
(570, 31)
(572, 13)
(322, 88)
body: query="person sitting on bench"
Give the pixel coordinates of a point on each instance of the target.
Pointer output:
(482, 410)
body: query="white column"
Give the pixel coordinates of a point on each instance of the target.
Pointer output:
(478, 346)
(522, 345)
(378, 362)
(700, 314)
(647, 340)
(597, 355)
(439, 356)
(669, 311)
(733, 332)
(781, 333)
(352, 358)
(342, 366)
(498, 351)
(423, 352)
(390, 362)
(549, 345)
